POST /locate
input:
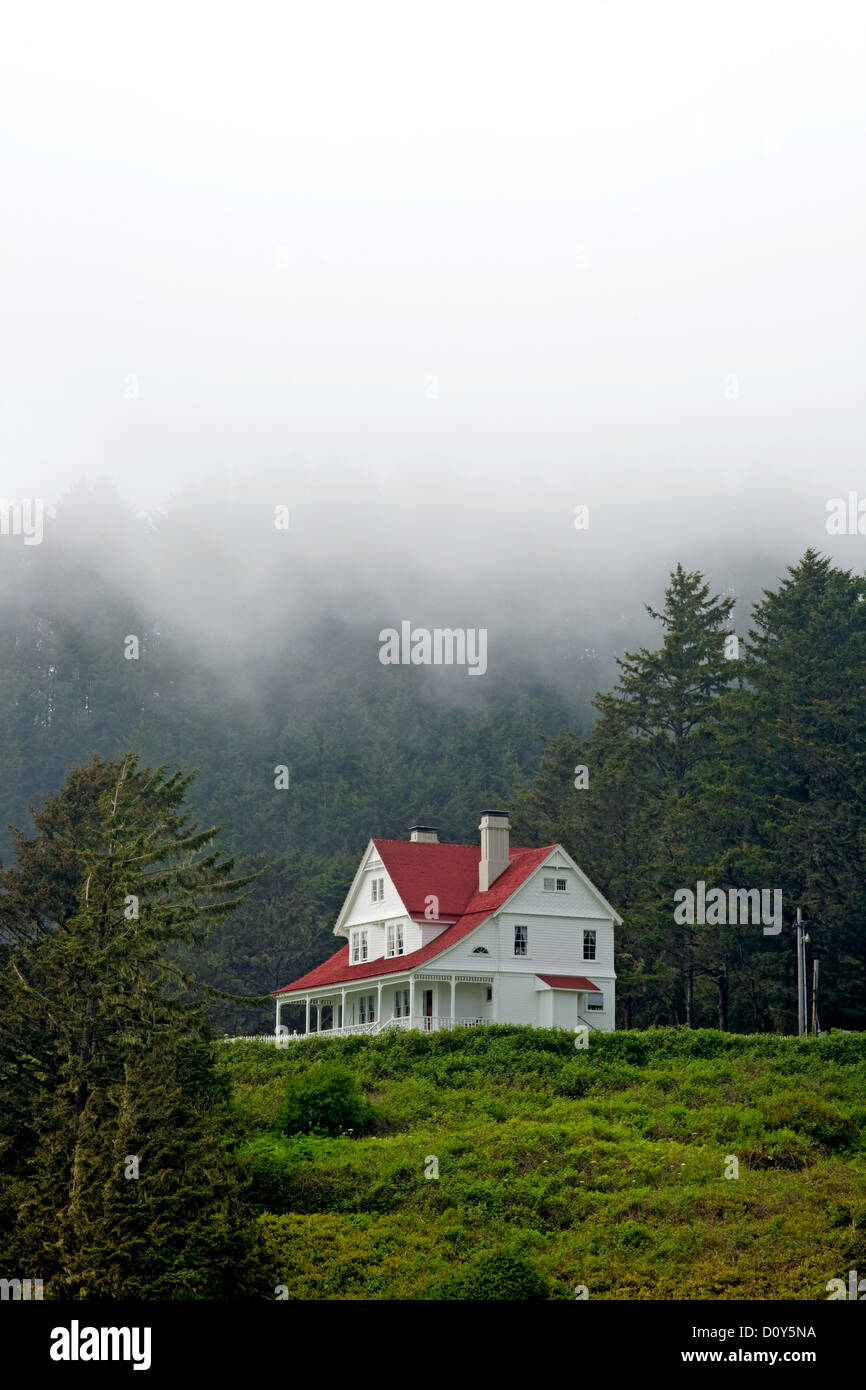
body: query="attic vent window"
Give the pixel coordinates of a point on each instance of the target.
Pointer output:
(481, 951)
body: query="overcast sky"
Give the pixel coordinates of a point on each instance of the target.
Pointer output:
(494, 260)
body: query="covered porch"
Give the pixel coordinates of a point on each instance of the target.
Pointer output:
(423, 1001)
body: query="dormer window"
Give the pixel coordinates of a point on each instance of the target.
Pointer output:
(395, 944)
(377, 887)
(556, 885)
(359, 947)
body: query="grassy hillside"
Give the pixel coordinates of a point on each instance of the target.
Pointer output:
(556, 1167)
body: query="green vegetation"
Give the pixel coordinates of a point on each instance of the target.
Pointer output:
(324, 1100)
(559, 1167)
(740, 763)
(742, 766)
(116, 1179)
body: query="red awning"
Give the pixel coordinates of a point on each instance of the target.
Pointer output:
(569, 982)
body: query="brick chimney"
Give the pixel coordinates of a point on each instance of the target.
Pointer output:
(494, 829)
(423, 835)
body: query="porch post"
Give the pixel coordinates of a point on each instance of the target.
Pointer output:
(453, 994)
(318, 1015)
(342, 1008)
(379, 1002)
(411, 1000)
(277, 1024)
(307, 1024)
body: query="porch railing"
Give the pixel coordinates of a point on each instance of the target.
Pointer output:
(427, 1024)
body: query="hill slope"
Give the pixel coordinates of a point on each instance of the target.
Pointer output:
(559, 1168)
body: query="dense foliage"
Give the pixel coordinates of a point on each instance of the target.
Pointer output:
(116, 1177)
(558, 1168)
(742, 770)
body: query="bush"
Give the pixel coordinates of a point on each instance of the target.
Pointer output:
(325, 1100)
(812, 1117)
(780, 1148)
(501, 1277)
(270, 1163)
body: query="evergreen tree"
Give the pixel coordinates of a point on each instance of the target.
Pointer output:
(105, 1053)
(788, 800)
(635, 828)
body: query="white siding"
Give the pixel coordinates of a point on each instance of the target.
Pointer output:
(427, 932)
(516, 999)
(555, 946)
(363, 909)
(577, 901)
(564, 1009)
(555, 921)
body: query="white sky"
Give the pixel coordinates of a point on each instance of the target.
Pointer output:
(527, 244)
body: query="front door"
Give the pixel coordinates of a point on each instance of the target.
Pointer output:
(428, 1009)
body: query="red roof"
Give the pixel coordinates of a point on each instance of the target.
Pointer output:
(568, 982)
(448, 872)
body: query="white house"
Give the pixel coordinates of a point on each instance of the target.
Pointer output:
(437, 935)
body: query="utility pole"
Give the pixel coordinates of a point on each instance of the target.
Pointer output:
(815, 996)
(801, 982)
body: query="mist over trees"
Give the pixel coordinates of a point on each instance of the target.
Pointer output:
(255, 649)
(742, 772)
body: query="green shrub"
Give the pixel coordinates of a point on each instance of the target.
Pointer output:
(632, 1236)
(781, 1148)
(499, 1276)
(813, 1117)
(270, 1162)
(325, 1100)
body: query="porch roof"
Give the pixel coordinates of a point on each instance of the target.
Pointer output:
(578, 982)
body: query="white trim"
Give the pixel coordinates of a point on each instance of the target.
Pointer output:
(610, 914)
(370, 859)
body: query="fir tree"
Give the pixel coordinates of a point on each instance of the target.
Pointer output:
(105, 1051)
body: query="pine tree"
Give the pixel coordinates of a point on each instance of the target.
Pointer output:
(104, 1047)
(635, 828)
(788, 800)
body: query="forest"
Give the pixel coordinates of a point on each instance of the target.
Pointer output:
(160, 879)
(717, 748)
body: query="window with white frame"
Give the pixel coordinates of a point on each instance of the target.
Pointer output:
(555, 885)
(401, 1003)
(359, 947)
(489, 994)
(595, 1001)
(521, 941)
(377, 889)
(367, 1008)
(394, 945)
(589, 945)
